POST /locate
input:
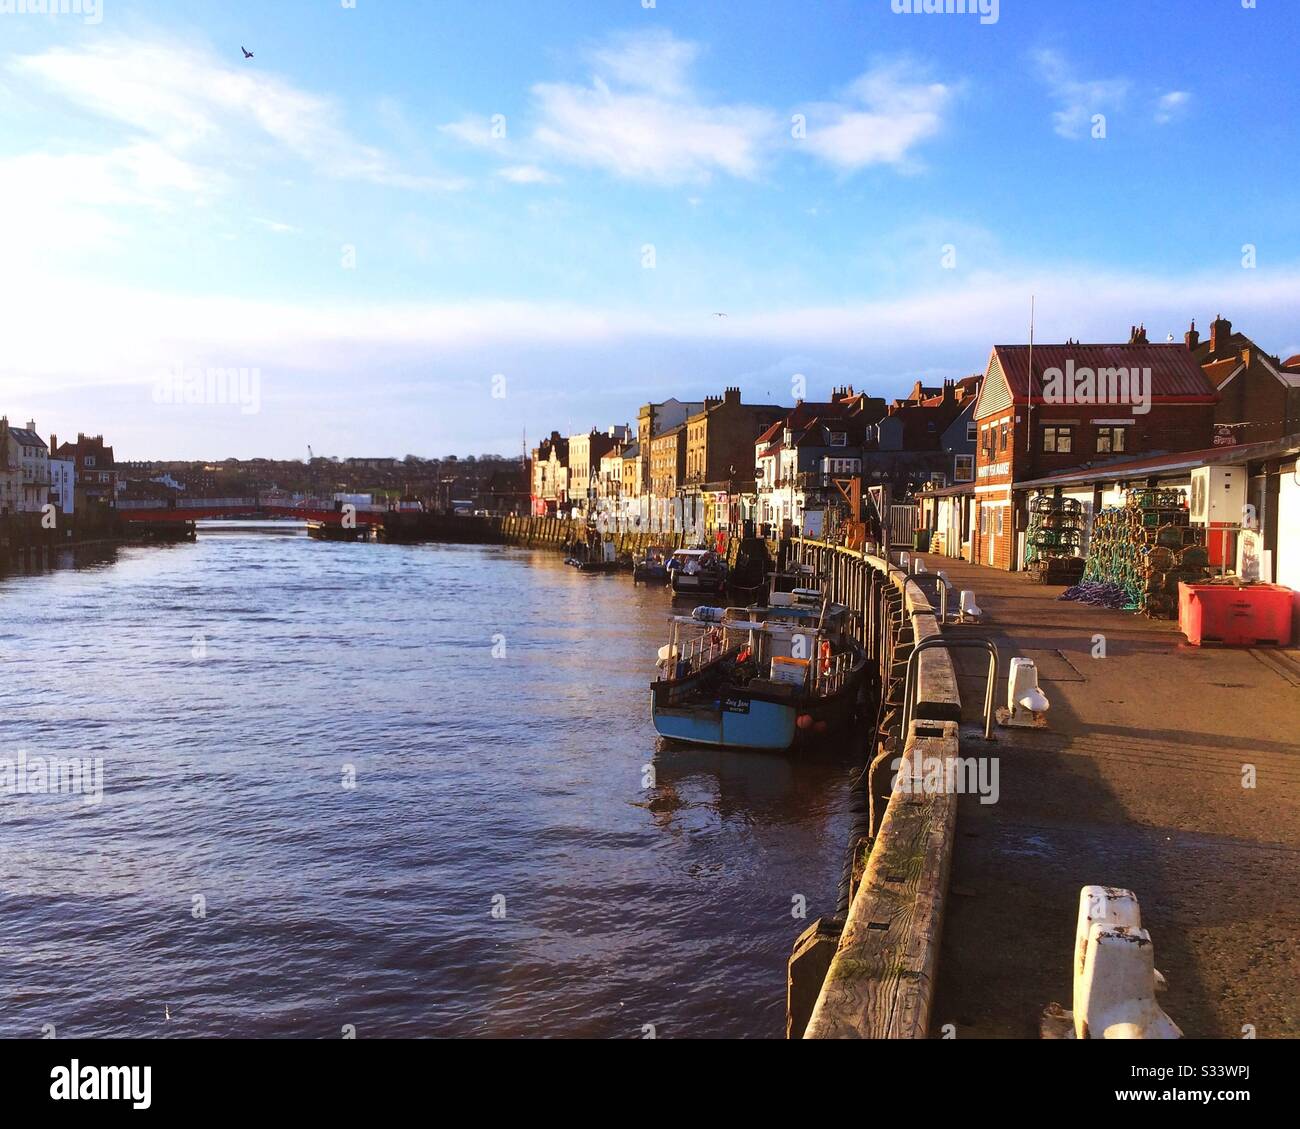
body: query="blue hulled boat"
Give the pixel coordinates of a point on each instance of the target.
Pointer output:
(758, 677)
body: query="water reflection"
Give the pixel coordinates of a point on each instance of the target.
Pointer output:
(487, 773)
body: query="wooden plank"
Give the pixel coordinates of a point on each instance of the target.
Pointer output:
(881, 980)
(937, 695)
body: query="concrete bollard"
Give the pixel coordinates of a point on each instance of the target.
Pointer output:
(968, 607)
(1114, 970)
(1026, 702)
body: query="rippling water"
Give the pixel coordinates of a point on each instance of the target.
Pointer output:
(227, 685)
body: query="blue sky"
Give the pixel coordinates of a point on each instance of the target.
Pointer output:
(392, 204)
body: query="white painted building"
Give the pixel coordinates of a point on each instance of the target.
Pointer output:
(26, 477)
(63, 482)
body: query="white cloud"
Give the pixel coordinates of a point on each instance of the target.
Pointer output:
(886, 114)
(526, 174)
(127, 335)
(648, 61)
(476, 130)
(192, 105)
(640, 119)
(1171, 106)
(78, 203)
(1079, 99)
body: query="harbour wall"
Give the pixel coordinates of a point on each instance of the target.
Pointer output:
(869, 971)
(26, 544)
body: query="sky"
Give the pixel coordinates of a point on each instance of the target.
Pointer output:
(437, 228)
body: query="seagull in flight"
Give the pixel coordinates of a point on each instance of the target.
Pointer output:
(719, 315)
(247, 53)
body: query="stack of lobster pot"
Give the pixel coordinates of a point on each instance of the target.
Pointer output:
(1146, 547)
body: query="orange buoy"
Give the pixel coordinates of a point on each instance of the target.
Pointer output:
(804, 720)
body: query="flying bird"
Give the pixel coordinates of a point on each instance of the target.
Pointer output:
(719, 315)
(247, 53)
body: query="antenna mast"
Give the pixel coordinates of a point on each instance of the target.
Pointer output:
(1029, 414)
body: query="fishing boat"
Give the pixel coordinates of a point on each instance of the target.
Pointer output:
(596, 556)
(651, 567)
(759, 677)
(327, 531)
(697, 573)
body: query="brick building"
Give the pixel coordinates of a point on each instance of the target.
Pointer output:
(94, 467)
(719, 455)
(1259, 395)
(652, 421)
(668, 462)
(1081, 405)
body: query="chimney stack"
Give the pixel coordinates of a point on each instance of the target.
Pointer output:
(1138, 335)
(1220, 333)
(732, 395)
(54, 443)
(1192, 338)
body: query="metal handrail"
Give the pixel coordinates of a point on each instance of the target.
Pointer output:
(964, 641)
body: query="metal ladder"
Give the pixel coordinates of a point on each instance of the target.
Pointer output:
(909, 686)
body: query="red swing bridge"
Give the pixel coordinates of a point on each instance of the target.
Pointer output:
(321, 511)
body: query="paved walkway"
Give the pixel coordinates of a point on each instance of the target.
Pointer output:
(1137, 782)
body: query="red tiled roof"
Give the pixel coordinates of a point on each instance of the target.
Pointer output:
(1175, 375)
(1292, 362)
(1219, 371)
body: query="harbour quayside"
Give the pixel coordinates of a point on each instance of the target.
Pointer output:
(759, 677)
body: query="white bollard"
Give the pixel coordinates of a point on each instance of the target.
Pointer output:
(968, 606)
(1026, 702)
(1114, 973)
(1107, 905)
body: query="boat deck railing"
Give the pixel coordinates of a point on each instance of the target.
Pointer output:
(832, 680)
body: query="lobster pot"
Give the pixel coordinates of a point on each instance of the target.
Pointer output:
(1054, 540)
(1145, 547)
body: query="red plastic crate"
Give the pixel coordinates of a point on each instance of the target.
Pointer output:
(1259, 614)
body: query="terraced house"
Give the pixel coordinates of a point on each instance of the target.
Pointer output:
(24, 469)
(719, 456)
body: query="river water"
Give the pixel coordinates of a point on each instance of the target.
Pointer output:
(389, 788)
